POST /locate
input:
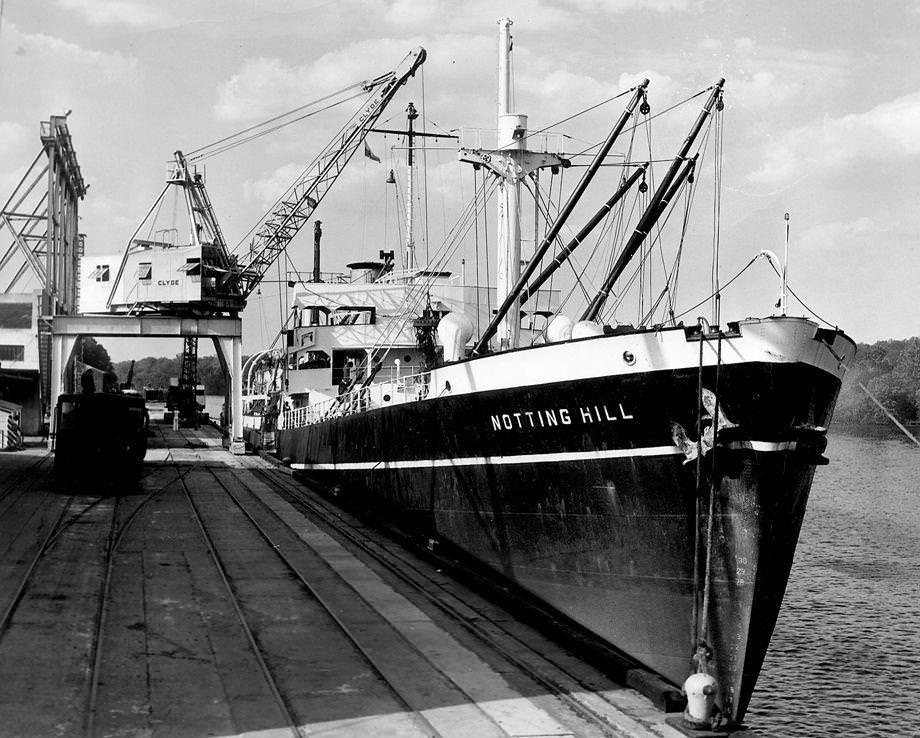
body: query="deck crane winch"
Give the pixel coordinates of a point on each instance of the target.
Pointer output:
(202, 278)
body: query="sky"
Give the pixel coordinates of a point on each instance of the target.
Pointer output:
(821, 120)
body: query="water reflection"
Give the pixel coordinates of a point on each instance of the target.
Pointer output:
(845, 656)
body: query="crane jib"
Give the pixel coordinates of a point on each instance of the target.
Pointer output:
(284, 222)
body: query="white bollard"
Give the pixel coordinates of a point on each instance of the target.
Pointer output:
(701, 691)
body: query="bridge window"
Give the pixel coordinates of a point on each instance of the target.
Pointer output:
(101, 273)
(354, 316)
(313, 360)
(12, 353)
(144, 271)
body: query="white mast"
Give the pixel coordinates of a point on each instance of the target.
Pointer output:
(785, 265)
(512, 131)
(510, 161)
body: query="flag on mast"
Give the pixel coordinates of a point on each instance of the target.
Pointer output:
(370, 154)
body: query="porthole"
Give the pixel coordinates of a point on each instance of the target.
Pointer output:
(386, 398)
(407, 359)
(629, 357)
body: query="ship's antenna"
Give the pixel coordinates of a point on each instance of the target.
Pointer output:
(782, 297)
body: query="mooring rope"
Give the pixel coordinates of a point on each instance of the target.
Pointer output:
(713, 491)
(699, 477)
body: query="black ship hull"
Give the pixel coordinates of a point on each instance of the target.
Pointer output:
(578, 491)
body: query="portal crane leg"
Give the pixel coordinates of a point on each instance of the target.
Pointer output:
(230, 354)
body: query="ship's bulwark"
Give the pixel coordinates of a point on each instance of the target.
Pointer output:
(577, 492)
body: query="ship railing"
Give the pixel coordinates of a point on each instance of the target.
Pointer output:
(407, 388)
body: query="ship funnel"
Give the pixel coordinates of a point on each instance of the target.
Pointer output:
(559, 329)
(454, 330)
(585, 328)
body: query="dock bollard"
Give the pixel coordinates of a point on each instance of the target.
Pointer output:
(701, 691)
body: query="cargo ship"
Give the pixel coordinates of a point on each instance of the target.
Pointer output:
(647, 481)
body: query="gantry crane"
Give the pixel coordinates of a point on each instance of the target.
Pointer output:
(203, 278)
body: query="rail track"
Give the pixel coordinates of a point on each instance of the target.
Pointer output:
(269, 537)
(24, 479)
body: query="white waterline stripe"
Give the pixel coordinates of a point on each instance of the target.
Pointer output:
(617, 453)
(765, 445)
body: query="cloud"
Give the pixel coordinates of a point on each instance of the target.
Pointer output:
(266, 86)
(115, 12)
(265, 191)
(885, 132)
(12, 136)
(766, 75)
(661, 87)
(612, 7)
(255, 91)
(835, 235)
(40, 57)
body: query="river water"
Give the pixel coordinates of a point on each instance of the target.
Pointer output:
(845, 655)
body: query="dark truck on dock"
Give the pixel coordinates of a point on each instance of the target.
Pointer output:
(100, 431)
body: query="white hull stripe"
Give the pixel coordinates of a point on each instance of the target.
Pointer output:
(617, 453)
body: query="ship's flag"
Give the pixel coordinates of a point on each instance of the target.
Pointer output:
(370, 154)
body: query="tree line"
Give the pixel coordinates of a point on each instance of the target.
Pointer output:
(157, 371)
(153, 371)
(891, 372)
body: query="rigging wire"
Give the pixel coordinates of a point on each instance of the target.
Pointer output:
(421, 289)
(576, 115)
(724, 287)
(646, 255)
(798, 299)
(476, 247)
(424, 162)
(647, 120)
(670, 287)
(208, 153)
(298, 181)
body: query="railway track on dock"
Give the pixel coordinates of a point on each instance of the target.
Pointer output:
(65, 518)
(213, 596)
(269, 537)
(24, 479)
(580, 692)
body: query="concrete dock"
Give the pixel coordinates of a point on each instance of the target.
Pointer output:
(217, 596)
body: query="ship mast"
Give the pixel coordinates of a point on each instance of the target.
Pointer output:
(510, 161)
(512, 130)
(411, 115)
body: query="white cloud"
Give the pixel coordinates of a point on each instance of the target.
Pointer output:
(266, 190)
(266, 86)
(761, 89)
(835, 235)
(40, 57)
(115, 12)
(621, 6)
(885, 132)
(661, 87)
(12, 136)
